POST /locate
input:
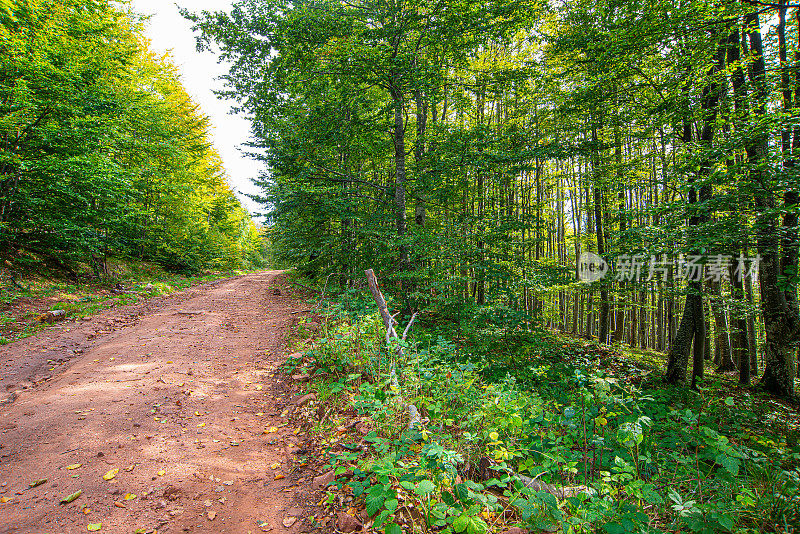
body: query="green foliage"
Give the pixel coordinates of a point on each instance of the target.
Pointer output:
(643, 458)
(102, 152)
(472, 153)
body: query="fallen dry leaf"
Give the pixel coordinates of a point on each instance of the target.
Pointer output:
(211, 515)
(36, 483)
(119, 504)
(111, 474)
(275, 465)
(279, 476)
(4, 500)
(161, 473)
(73, 466)
(71, 497)
(94, 527)
(289, 521)
(129, 496)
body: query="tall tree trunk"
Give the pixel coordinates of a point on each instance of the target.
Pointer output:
(722, 342)
(619, 315)
(419, 155)
(399, 135)
(752, 342)
(790, 144)
(601, 243)
(781, 323)
(692, 330)
(743, 352)
(739, 344)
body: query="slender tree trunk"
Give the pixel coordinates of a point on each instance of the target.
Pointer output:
(419, 155)
(619, 315)
(722, 345)
(399, 135)
(739, 343)
(752, 342)
(601, 244)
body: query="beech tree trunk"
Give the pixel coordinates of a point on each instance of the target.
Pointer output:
(781, 323)
(399, 137)
(601, 242)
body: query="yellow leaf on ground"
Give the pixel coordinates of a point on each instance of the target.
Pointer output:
(161, 473)
(129, 496)
(275, 465)
(272, 429)
(211, 515)
(4, 500)
(94, 527)
(73, 466)
(279, 476)
(111, 474)
(201, 425)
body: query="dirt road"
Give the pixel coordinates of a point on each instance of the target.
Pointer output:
(178, 394)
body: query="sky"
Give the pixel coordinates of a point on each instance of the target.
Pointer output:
(168, 31)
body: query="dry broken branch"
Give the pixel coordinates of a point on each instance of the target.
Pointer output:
(389, 321)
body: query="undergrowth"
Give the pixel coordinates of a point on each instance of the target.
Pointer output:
(611, 449)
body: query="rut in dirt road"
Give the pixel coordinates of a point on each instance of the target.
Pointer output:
(181, 403)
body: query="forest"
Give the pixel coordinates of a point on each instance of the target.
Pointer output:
(541, 264)
(474, 153)
(584, 215)
(103, 153)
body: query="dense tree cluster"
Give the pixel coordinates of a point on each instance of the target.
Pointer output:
(101, 149)
(473, 151)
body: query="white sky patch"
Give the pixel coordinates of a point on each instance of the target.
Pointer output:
(169, 31)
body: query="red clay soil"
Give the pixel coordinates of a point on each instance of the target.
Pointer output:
(176, 393)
